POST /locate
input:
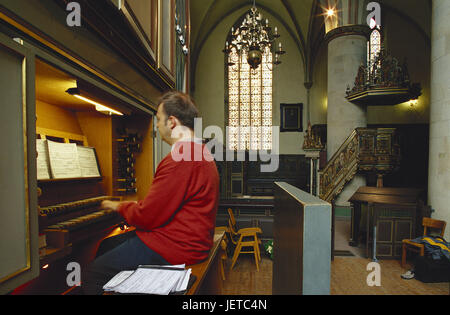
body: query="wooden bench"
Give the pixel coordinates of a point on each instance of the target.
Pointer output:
(208, 277)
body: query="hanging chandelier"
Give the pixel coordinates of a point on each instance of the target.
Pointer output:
(253, 37)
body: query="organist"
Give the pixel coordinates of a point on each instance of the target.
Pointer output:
(175, 221)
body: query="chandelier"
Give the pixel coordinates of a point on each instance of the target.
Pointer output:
(253, 37)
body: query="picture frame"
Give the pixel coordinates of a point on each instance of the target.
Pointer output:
(291, 116)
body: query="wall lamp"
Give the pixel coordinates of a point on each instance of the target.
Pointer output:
(413, 102)
(98, 107)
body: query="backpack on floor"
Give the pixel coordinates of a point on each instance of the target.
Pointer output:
(431, 270)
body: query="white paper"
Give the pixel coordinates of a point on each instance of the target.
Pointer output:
(150, 280)
(63, 160)
(119, 278)
(183, 283)
(88, 162)
(43, 171)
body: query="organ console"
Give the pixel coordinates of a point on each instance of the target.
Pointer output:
(71, 222)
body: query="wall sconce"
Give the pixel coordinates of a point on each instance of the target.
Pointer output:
(413, 103)
(98, 107)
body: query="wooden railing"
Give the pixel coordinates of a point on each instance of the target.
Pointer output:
(364, 151)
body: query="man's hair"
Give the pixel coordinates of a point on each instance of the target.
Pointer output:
(181, 106)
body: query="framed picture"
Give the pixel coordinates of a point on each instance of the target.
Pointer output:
(291, 117)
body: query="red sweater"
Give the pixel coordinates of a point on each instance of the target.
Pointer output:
(177, 217)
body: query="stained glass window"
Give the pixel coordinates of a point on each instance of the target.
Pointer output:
(249, 103)
(374, 47)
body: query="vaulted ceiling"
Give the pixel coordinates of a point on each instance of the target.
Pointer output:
(297, 16)
(301, 18)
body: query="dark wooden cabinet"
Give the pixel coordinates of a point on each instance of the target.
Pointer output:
(393, 224)
(388, 214)
(239, 178)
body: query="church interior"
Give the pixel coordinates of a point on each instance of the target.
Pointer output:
(327, 120)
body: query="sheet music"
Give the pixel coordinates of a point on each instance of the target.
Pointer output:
(63, 160)
(43, 171)
(150, 280)
(119, 278)
(88, 162)
(183, 283)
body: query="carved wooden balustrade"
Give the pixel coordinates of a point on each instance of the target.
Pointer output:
(365, 151)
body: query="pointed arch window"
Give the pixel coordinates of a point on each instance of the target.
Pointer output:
(373, 46)
(249, 96)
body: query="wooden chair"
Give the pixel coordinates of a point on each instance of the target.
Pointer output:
(224, 245)
(428, 224)
(244, 238)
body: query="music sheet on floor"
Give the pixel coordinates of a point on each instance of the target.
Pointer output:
(161, 281)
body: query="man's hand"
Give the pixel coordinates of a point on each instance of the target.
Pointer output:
(108, 204)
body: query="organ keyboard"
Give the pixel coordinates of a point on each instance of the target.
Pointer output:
(71, 222)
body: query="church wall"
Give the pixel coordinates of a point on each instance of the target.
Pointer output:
(319, 89)
(415, 47)
(288, 81)
(403, 40)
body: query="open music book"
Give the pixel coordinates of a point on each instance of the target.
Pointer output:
(65, 160)
(150, 279)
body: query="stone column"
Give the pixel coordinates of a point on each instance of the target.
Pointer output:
(347, 50)
(439, 159)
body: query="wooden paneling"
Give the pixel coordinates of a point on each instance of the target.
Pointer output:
(293, 169)
(395, 212)
(55, 117)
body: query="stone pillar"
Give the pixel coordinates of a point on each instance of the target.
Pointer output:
(347, 50)
(439, 159)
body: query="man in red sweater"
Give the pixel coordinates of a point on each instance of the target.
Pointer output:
(175, 222)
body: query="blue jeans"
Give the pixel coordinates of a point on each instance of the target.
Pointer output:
(115, 254)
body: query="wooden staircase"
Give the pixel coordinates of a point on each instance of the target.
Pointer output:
(364, 151)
